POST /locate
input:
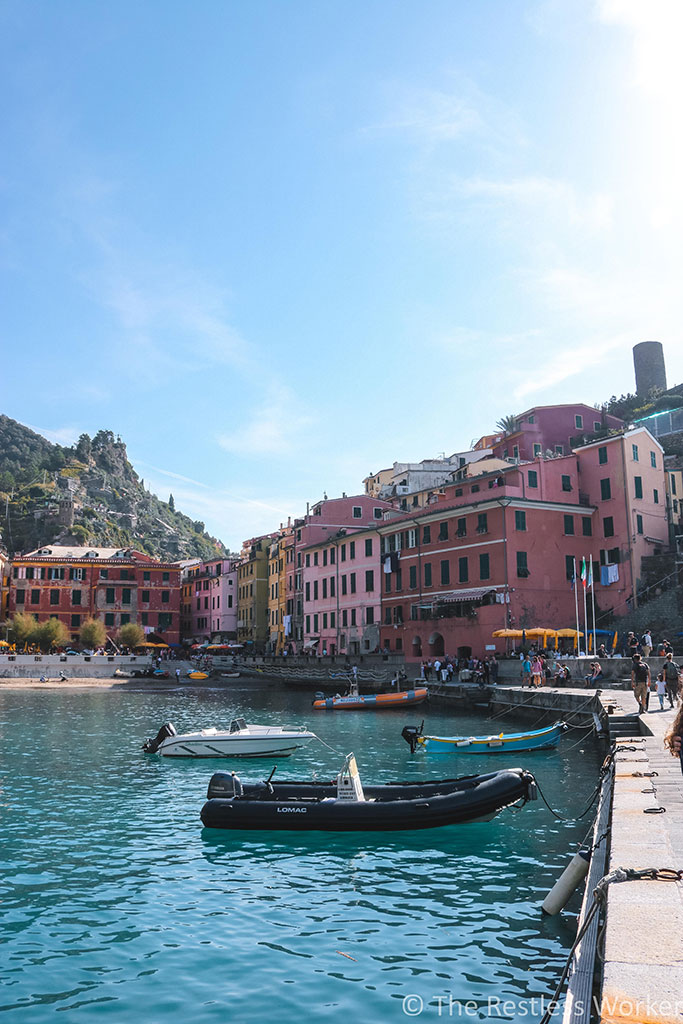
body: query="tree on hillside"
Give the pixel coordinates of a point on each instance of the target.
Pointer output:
(131, 635)
(84, 448)
(22, 625)
(171, 503)
(92, 633)
(49, 634)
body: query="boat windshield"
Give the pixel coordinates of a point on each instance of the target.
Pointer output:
(237, 725)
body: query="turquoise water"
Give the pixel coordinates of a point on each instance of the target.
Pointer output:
(115, 903)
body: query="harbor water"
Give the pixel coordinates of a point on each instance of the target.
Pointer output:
(117, 905)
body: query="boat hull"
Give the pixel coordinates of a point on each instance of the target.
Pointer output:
(395, 807)
(234, 745)
(373, 701)
(540, 739)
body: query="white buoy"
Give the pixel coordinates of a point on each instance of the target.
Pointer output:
(567, 883)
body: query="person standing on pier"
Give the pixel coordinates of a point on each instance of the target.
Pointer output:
(526, 671)
(640, 682)
(672, 678)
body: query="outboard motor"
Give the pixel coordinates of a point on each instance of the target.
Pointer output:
(151, 746)
(319, 695)
(410, 734)
(224, 784)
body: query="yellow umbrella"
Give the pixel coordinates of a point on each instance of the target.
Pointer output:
(512, 634)
(568, 632)
(3, 643)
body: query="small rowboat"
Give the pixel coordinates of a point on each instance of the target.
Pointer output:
(371, 701)
(538, 739)
(197, 675)
(344, 805)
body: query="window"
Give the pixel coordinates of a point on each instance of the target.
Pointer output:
(638, 486)
(308, 590)
(412, 538)
(566, 483)
(531, 419)
(522, 567)
(369, 616)
(463, 570)
(387, 582)
(368, 546)
(324, 587)
(357, 512)
(104, 574)
(344, 617)
(75, 621)
(533, 478)
(35, 597)
(653, 459)
(353, 616)
(315, 590)
(484, 567)
(458, 492)
(308, 561)
(387, 616)
(569, 526)
(428, 574)
(315, 558)
(146, 576)
(324, 620)
(578, 422)
(324, 558)
(655, 495)
(569, 566)
(461, 530)
(597, 425)
(634, 451)
(673, 484)
(559, 449)
(343, 583)
(475, 488)
(110, 595)
(75, 597)
(445, 571)
(605, 489)
(21, 596)
(124, 574)
(125, 595)
(520, 520)
(332, 556)
(145, 596)
(602, 455)
(378, 513)
(343, 552)
(352, 582)
(165, 596)
(443, 530)
(427, 533)
(332, 587)
(482, 523)
(537, 450)
(109, 619)
(124, 619)
(352, 549)
(333, 620)
(639, 524)
(369, 579)
(515, 451)
(586, 526)
(608, 526)
(412, 577)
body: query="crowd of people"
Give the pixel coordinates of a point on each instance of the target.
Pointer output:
(446, 668)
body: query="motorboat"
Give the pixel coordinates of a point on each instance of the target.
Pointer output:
(241, 740)
(537, 739)
(345, 805)
(354, 701)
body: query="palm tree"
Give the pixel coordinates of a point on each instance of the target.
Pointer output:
(508, 424)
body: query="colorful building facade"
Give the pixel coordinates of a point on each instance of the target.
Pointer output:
(115, 586)
(209, 600)
(551, 429)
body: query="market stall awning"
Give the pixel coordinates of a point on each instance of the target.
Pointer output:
(311, 643)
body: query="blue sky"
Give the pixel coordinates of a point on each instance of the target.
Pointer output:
(279, 245)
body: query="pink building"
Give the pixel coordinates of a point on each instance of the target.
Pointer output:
(209, 600)
(326, 523)
(342, 594)
(499, 550)
(551, 428)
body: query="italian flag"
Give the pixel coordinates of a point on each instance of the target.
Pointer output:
(584, 573)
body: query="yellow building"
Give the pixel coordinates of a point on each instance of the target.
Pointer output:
(277, 593)
(252, 595)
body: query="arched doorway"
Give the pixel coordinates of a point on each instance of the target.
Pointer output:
(417, 647)
(436, 644)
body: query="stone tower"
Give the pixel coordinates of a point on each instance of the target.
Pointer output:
(648, 360)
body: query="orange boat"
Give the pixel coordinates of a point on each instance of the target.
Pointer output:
(372, 701)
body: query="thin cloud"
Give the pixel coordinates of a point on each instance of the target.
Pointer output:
(274, 430)
(66, 435)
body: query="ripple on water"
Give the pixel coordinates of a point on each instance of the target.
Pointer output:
(116, 903)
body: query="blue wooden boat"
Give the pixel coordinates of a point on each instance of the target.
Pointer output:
(501, 743)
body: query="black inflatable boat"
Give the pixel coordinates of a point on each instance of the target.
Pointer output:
(343, 805)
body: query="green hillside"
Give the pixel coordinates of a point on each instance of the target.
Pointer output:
(87, 495)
